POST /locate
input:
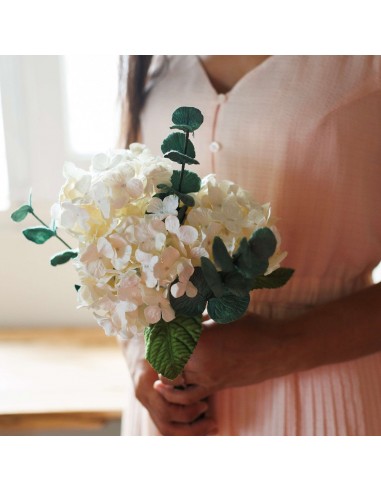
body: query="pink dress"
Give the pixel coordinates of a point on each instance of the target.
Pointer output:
(303, 132)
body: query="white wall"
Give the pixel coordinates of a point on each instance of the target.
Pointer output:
(33, 293)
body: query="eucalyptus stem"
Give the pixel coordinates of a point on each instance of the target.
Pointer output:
(54, 232)
(183, 164)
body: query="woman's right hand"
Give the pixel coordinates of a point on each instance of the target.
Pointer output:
(171, 419)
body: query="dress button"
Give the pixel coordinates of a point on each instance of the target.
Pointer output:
(222, 98)
(214, 147)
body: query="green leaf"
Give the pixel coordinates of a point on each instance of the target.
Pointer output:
(228, 308)
(221, 255)
(181, 213)
(275, 279)
(180, 158)
(170, 344)
(193, 306)
(186, 199)
(20, 214)
(212, 277)
(188, 117)
(248, 264)
(191, 182)
(38, 235)
(263, 243)
(77, 287)
(63, 257)
(237, 283)
(176, 141)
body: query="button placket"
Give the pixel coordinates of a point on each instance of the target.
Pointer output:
(214, 145)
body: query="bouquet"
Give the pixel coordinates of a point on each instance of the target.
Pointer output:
(156, 247)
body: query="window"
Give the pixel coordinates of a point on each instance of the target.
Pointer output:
(55, 108)
(91, 95)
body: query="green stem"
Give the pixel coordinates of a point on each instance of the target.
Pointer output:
(55, 232)
(183, 165)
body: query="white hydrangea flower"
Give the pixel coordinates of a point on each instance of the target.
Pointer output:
(186, 234)
(133, 250)
(160, 209)
(184, 285)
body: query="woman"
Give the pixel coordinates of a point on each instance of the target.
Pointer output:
(302, 132)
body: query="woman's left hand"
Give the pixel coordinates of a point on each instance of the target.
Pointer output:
(247, 351)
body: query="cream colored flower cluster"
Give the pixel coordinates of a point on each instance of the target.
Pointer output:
(132, 247)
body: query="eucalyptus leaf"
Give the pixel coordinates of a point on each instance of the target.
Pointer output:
(246, 261)
(189, 117)
(275, 279)
(263, 243)
(193, 306)
(180, 158)
(191, 182)
(236, 283)
(186, 199)
(181, 213)
(212, 277)
(38, 235)
(176, 141)
(170, 344)
(163, 186)
(20, 214)
(221, 255)
(63, 257)
(228, 308)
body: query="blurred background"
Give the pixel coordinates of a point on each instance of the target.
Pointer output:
(59, 374)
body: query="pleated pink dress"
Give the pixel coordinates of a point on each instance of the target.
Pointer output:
(303, 132)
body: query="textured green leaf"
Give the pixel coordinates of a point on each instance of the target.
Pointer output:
(169, 345)
(191, 182)
(212, 277)
(248, 264)
(63, 257)
(38, 235)
(189, 117)
(228, 308)
(221, 255)
(176, 141)
(263, 243)
(275, 279)
(193, 306)
(20, 214)
(236, 283)
(180, 158)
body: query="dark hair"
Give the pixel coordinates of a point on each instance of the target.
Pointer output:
(135, 82)
(133, 74)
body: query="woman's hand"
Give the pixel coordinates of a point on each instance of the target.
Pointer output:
(241, 353)
(170, 418)
(254, 349)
